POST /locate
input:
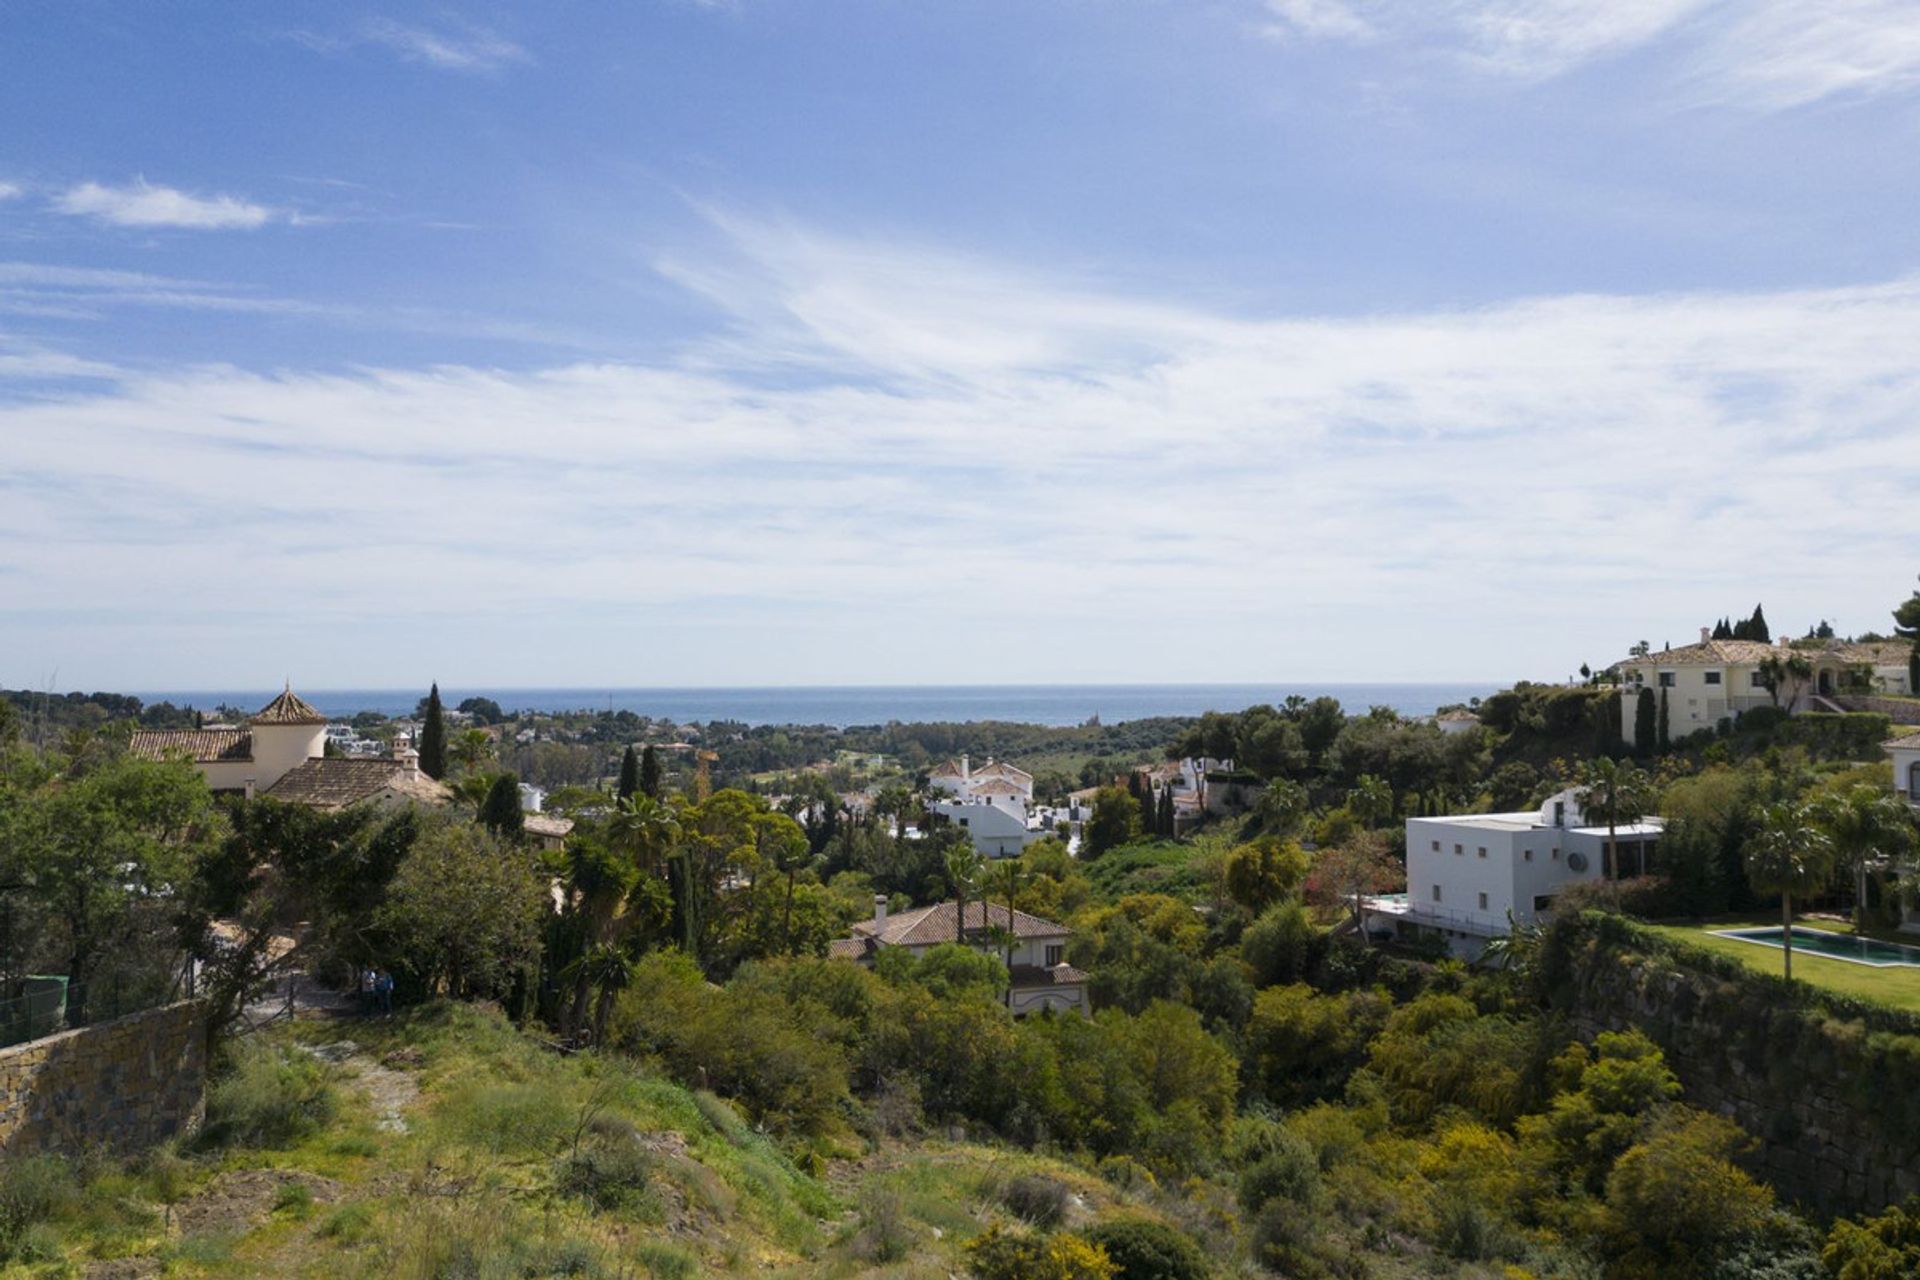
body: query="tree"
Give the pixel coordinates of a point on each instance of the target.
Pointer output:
(1361, 865)
(1371, 801)
(470, 749)
(485, 710)
(629, 774)
(1663, 731)
(964, 868)
(1645, 720)
(1866, 825)
(1283, 807)
(1789, 854)
(1115, 821)
(1906, 624)
(1614, 792)
(650, 771)
(433, 737)
(464, 910)
(1009, 877)
(500, 811)
(1264, 871)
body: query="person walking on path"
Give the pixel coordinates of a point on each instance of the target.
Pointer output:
(383, 991)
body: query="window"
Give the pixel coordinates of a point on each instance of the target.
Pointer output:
(1483, 902)
(1436, 893)
(1543, 902)
(1713, 677)
(1436, 846)
(1459, 848)
(1755, 680)
(1556, 855)
(1483, 851)
(1526, 855)
(1666, 679)
(1055, 953)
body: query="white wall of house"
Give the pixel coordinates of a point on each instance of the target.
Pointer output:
(997, 831)
(1906, 773)
(278, 749)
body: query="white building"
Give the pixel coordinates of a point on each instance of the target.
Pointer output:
(999, 830)
(1040, 976)
(960, 778)
(1467, 872)
(1906, 767)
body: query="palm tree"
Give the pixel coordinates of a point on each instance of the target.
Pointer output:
(645, 830)
(1283, 806)
(1011, 876)
(1614, 792)
(965, 867)
(1789, 854)
(470, 749)
(1867, 825)
(1371, 800)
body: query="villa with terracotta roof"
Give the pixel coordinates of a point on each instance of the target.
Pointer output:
(991, 802)
(1716, 680)
(281, 752)
(1041, 977)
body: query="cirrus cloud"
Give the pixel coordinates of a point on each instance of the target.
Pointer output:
(144, 204)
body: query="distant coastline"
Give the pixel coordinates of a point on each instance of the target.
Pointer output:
(1060, 704)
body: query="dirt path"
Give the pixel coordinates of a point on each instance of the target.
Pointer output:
(389, 1092)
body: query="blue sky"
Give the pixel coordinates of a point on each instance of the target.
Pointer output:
(947, 341)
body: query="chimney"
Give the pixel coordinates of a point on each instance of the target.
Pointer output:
(966, 768)
(879, 911)
(406, 755)
(250, 782)
(1784, 643)
(1706, 634)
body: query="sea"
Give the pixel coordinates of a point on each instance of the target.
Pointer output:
(1046, 704)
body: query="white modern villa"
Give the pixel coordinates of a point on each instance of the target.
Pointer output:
(1716, 680)
(281, 752)
(1040, 976)
(1467, 872)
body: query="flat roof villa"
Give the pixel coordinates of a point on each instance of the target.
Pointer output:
(1467, 872)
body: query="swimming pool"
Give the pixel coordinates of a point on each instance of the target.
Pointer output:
(1838, 946)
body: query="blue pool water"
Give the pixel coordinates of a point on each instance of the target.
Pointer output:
(1839, 946)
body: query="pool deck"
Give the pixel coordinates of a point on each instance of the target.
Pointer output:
(1897, 986)
(1807, 941)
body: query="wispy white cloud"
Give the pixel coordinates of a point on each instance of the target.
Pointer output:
(144, 204)
(465, 49)
(10, 191)
(989, 460)
(1764, 54)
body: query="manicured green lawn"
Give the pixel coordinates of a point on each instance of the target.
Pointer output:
(1899, 987)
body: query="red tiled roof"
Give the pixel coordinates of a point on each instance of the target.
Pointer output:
(288, 708)
(202, 746)
(928, 926)
(336, 784)
(1027, 976)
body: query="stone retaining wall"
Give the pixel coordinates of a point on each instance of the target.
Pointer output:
(121, 1085)
(1899, 710)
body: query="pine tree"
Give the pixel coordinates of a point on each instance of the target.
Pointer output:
(1757, 627)
(1664, 734)
(433, 737)
(650, 772)
(1644, 720)
(629, 774)
(500, 811)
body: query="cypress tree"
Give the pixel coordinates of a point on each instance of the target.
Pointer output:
(1166, 813)
(500, 811)
(433, 737)
(1757, 627)
(629, 774)
(1913, 669)
(650, 772)
(1664, 735)
(1644, 720)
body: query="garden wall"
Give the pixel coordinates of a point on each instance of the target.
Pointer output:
(1898, 710)
(1829, 1086)
(122, 1085)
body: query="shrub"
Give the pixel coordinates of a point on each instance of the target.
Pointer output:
(1143, 1249)
(883, 1234)
(349, 1223)
(1282, 1240)
(293, 1198)
(608, 1173)
(507, 1118)
(1000, 1255)
(32, 1189)
(1289, 1171)
(269, 1098)
(1036, 1200)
